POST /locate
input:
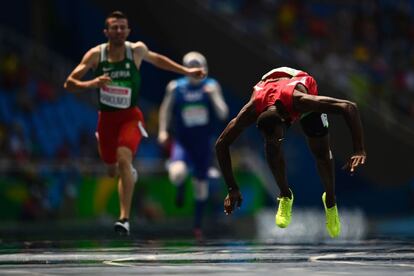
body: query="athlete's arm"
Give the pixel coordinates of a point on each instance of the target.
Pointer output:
(245, 118)
(166, 63)
(304, 103)
(213, 90)
(90, 60)
(165, 112)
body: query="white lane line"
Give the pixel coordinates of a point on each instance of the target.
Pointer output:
(330, 258)
(24, 272)
(117, 262)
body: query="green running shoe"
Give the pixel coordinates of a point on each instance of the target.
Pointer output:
(333, 224)
(284, 211)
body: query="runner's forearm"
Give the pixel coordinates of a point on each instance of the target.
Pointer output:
(225, 164)
(165, 63)
(354, 123)
(74, 85)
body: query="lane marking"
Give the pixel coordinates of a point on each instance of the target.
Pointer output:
(329, 258)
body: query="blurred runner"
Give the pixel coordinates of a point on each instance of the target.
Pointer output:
(187, 116)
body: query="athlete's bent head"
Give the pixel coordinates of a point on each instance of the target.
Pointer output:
(270, 124)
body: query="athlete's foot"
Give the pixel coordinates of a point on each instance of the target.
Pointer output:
(121, 227)
(333, 224)
(284, 211)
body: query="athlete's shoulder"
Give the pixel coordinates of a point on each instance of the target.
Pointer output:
(92, 55)
(94, 51)
(211, 84)
(172, 86)
(138, 45)
(211, 81)
(182, 82)
(248, 113)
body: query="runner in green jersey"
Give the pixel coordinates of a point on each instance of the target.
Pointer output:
(121, 124)
(122, 92)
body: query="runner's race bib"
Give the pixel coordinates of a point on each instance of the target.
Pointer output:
(116, 96)
(195, 115)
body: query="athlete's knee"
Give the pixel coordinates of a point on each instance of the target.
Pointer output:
(177, 172)
(124, 163)
(200, 189)
(124, 158)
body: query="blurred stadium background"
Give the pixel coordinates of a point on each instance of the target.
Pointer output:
(51, 179)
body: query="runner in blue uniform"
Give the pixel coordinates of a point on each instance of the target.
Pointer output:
(187, 115)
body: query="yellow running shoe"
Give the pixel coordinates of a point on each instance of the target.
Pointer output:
(333, 224)
(284, 211)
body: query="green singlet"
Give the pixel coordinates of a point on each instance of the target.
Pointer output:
(122, 92)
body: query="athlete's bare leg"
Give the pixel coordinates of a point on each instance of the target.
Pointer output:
(276, 160)
(323, 156)
(126, 181)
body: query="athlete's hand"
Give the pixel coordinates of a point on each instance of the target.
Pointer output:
(197, 73)
(101, 81)
(234, 198)
(163, 138)
(356, 160)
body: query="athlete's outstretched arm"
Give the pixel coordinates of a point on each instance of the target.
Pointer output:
(236, 126)
(90, 60)
(305, 103)
(166, 63)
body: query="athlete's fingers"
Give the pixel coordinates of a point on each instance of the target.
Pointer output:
(351, 165)
(359, 161)
(106, 79)
(228, 210)
(354, 163)
(102, 80)
(226, 202)
(228, 205)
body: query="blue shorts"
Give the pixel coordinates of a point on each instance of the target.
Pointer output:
(197, 158)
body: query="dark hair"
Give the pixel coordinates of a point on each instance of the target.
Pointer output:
(115, 14)
(268, 120)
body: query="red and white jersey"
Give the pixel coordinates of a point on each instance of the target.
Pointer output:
(283, 72)
(279, 84)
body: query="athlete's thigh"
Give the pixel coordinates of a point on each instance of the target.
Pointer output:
(130, 136)
(315, 124)
(178, 152)
(201, 160)
(320, 146)
(107, 141)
